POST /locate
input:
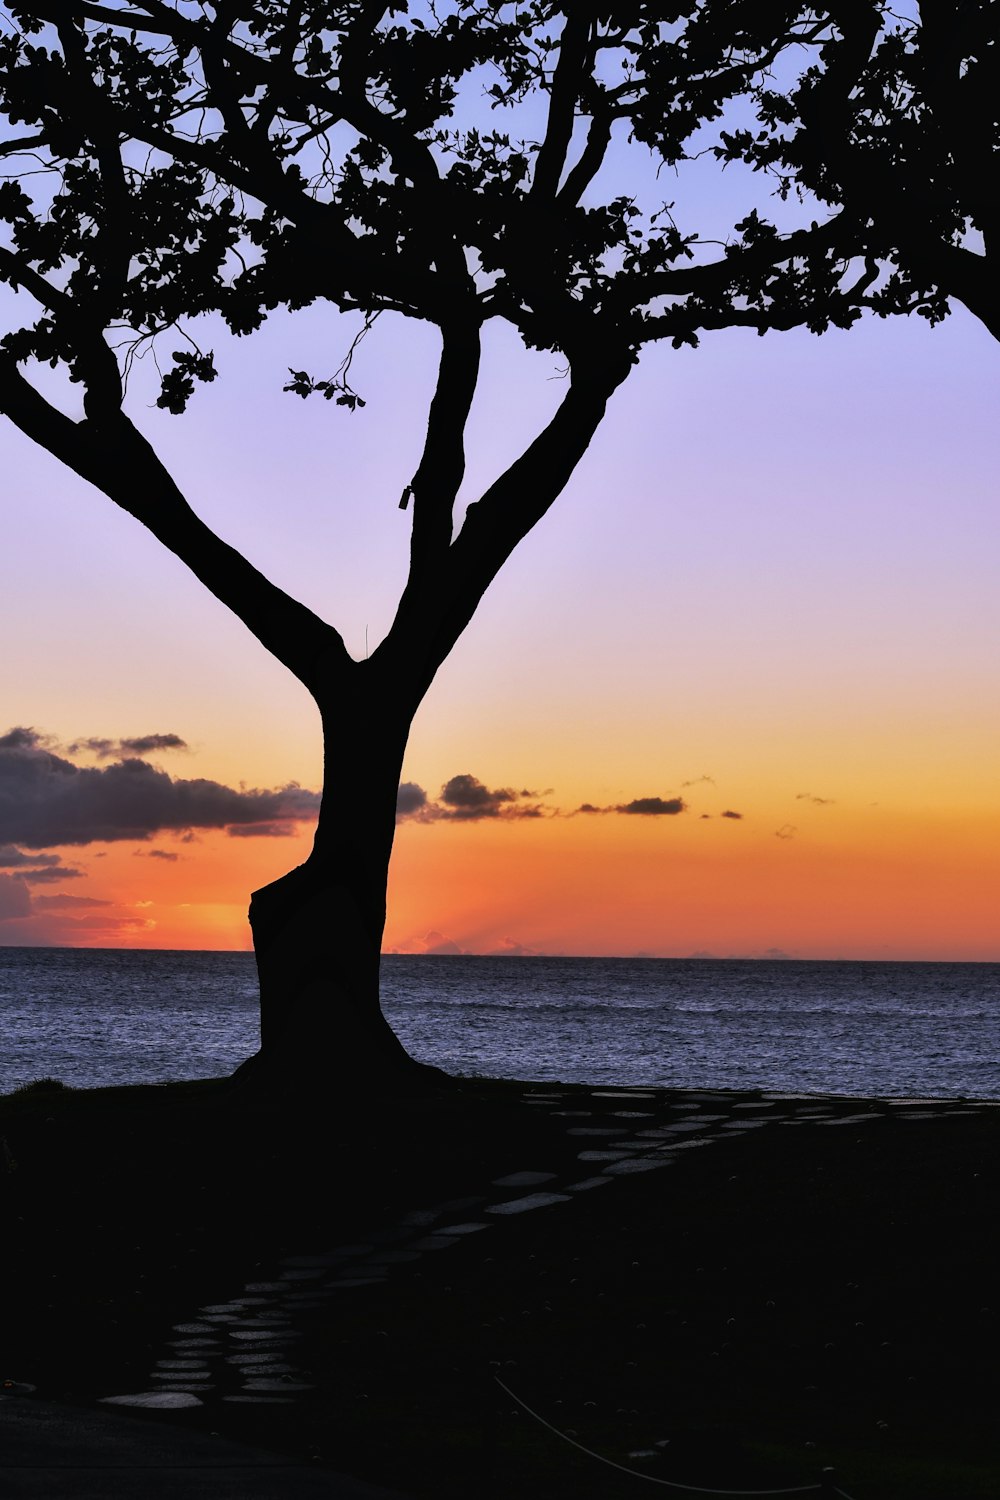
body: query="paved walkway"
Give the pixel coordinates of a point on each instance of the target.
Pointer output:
(53, 1452)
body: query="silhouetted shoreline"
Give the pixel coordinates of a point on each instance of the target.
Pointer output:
(785, 1299)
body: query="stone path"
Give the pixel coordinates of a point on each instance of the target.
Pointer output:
(244, 1350)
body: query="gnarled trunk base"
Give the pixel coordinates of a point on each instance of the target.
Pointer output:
(317, 951)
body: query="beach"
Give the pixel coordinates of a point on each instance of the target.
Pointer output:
(506, 1288)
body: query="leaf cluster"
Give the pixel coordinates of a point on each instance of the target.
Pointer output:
(458, 160)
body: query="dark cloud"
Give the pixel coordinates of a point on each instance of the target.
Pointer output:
(786, 831)
(730, 814)
(776, 953)
(465, 796)
(11, 857)
(588, 807)
(816, 801)
(410, 799)
(47, 801)
(49, 874)
(20, 739)
(15, 900)
(464, 799)
(165, 854)
(66, 903)
(142, 744)
(258, 831)
(653, 807)
(697, 781)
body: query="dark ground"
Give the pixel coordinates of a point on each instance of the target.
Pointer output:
(770, 1305)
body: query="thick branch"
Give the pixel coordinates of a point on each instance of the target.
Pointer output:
(442, 464)
(117, 459)
(574, 49)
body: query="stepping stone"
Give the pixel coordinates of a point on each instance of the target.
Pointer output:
(304, 1275)
(226, 1317)
(759, 1104)
(187, 1386)
(277, 1385)
(637, 1164)
(471, 1228)
(587, 1183)
(571, 1114)
(684, 1127)
(193, 1328)
(848, 1120)
(633, 1114)
(528, 1202)
(236, 1306)
(237, 1357)
(597, 1130)
(437, 1242)
(258, 1372)
(622, 1094)
(181, 1364)
(916, 1114)
(193, 1343)
(603, 1155)
(164, 1399)
(259, 1336)
(523, 1179)
(263, 1286)
(180, 1377)
(458, 1205)
(744, 1124)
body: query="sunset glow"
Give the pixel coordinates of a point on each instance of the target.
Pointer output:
(769, 590)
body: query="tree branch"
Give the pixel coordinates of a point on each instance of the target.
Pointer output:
(117, 459)
(508, 510)
(574, 47)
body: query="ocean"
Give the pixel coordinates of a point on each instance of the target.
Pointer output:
(104, 1016)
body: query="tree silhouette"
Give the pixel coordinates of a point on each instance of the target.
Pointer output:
(452, 162)
(897, 126)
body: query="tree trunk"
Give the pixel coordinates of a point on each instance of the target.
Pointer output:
(317, 931)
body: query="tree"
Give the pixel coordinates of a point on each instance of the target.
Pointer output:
(897, 126)
(175, 159)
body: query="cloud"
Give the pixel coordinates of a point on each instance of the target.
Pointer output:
(465, 799)
(410, 799)
(66, 903)
(588, 807)
(10, 858)
(775, 953)
(653, 807)
(697, 780)
(142, 744)
(49, 873)
(786, 831)
(47, 801)
(730, 814)
(816, 801)
(510, 948)
(166, 854)
(436, 942)
(257, 831)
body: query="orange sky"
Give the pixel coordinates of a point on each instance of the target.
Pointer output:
(776, 568)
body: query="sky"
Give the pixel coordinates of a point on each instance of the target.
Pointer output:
(735, 695)
(768, 591)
